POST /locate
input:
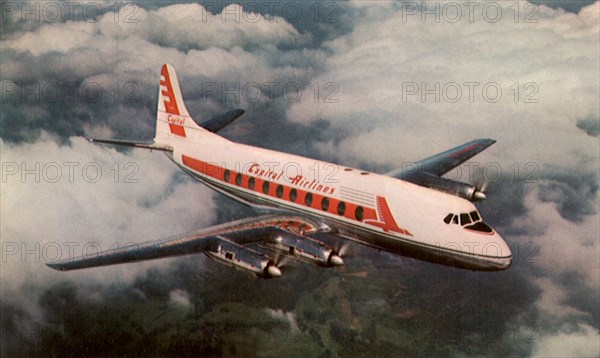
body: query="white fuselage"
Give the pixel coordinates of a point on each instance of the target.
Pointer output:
(375, 210)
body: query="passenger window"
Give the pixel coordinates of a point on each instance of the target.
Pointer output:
(465, 219)
(279, 191)
(251, 182)
(226, 176)
(293, 195)
(308, 199)
(448, 218)
(475, 216)
(325, 204)
(359, 213)
(238, 179)
(265, 187)
(341, 208)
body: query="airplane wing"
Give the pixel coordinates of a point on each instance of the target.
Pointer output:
(443, 162)
(233, 236)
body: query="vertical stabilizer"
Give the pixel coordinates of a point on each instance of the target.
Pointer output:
(172, 118)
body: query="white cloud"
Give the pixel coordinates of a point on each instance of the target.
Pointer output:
(582, 341)
(110, 55)
(385, 55)
(564, 246)
(552, 301)
(289, 317)
(82, 197)
(181, 26)
(180, 298)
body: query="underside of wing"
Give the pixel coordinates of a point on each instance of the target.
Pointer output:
(229, 244)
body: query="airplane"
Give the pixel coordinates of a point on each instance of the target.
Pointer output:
(414, 212)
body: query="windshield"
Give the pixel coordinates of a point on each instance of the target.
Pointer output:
(470, 221)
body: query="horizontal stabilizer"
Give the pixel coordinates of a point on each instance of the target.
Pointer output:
(145, 145)
(220, 121)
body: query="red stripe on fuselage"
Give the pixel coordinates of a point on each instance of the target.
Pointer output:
(386, 221)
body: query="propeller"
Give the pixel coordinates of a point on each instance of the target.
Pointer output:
(280, 263)
(281, 260)
(481, 185)
(342, 249)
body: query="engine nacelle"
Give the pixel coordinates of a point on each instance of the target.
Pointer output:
(304, 249)
(244, 259)
(464, 190)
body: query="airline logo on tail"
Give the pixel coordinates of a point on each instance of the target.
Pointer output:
(169, 97)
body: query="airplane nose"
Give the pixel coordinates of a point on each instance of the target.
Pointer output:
(504, 248)
(274, 271)
(336, 260)
(504, 253)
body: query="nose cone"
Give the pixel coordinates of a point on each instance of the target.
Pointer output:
(479, 196)
(336, 260)
(501, 251)
(274, 271)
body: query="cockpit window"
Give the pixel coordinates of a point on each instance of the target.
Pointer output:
(465, 219)
(448, 218)
(480, 226)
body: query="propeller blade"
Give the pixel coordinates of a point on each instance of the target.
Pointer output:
(343, 249)
(282, 261)
(481, 185)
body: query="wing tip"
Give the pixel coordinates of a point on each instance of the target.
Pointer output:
(56, 266)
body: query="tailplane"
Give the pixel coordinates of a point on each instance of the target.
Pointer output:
(173, 121)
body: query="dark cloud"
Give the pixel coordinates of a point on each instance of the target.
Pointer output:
(591, 126)
(575, 194)
(571, 6)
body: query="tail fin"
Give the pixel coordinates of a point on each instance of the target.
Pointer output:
(173, 121)
(172, 117)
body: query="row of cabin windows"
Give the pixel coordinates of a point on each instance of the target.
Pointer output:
(465, 218)
(359, 212)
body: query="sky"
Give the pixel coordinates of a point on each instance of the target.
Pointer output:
(369, 84)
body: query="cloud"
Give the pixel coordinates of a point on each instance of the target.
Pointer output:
(180, 298)
(68, 77)
(564, 246)
(82, 198)
(575, 192)
(591, 126)
(180, 26)
(414, 82)
(580, 341)
(289, 317)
